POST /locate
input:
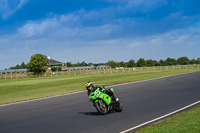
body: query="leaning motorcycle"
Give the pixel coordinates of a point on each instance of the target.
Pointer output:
(104, 103)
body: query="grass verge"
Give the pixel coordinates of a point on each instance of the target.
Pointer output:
(185, 122)
(16, 90)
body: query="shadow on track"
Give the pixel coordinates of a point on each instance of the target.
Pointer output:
(94, 113)
(90, 113)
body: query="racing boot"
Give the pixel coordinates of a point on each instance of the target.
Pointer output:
(115, 97)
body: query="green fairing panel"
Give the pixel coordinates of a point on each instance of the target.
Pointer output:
(102, 96)
(105, 98)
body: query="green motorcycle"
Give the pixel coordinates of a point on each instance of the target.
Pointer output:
(103, 102)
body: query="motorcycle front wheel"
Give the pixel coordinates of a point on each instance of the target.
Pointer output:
(101, 107)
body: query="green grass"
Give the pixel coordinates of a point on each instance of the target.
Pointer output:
(15, 90)
(185, 122)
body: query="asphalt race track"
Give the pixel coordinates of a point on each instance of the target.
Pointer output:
(142, 101)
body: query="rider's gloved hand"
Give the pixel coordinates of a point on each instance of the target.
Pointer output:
(102, 89)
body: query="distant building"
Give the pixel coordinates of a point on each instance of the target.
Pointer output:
(13, 71)
(53, 63)
(87, 67)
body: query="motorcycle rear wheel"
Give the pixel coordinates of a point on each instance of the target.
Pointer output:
(118, 107)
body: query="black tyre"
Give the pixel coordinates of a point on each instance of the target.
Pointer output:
(118, 107)
(101, 107)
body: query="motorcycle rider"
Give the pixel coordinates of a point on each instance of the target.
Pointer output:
(90, 87)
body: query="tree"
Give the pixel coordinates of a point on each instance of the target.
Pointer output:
(198, 61)
(162, 62)
(183, 61)
(131, 63)
(56, 68)
(156, 63)
(122, 64)
(23, 65)
(68, 64)
(141, 63)
(150, 62)
(17, 67)
(83, 63)
(112, 64)
(170, 61)
(90, 64)
(38, 64)
(193, 61)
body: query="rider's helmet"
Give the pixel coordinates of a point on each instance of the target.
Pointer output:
(89, 86)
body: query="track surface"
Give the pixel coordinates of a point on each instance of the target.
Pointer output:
(143, 101)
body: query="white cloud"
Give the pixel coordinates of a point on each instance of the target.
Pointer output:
(138, 5)
(4, 6)
(37, 29)
(68, 26)
(145, 2)
(21, 4)
(6, 11)
(180, 37)
(176, 43)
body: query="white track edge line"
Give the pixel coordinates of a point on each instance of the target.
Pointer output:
(85, 90)
(148, 79)
(41, 98)
(164, 116)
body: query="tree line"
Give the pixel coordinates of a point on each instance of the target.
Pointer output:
(141, 62)
(131, 63)
(22, 66)
(147, 63)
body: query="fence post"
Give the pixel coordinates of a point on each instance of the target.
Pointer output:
(80, 72)
(68, 73)
(86, 72)
(11, 75)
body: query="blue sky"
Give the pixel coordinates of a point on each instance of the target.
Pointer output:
(98, 30)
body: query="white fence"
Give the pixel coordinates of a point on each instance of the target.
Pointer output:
(99, 71)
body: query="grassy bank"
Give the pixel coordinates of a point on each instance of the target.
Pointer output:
(15, 90)
(185, 122)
